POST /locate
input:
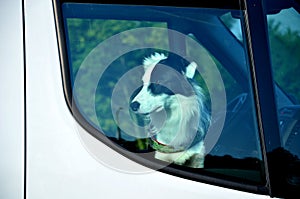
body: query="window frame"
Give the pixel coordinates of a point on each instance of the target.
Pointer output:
(262, 81)
(278, 161)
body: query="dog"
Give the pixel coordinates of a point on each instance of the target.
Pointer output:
(174, 104)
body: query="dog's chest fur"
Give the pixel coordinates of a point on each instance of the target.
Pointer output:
(174, 105)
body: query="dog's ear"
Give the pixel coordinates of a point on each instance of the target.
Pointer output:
(190, 70)
(153, 60)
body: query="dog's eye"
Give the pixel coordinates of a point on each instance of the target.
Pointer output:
(158, 89)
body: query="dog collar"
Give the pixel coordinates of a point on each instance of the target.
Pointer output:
(164, 148)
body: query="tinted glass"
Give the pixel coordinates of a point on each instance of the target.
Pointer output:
(284, 37)
(169, 82)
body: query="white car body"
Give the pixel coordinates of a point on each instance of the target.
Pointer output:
(41, 148)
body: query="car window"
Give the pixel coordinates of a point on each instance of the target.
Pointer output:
(166, 84)
(233, 24)
(284, 37)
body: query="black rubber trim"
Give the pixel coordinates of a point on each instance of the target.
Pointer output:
(25, 100)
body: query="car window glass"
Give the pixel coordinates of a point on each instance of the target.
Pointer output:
(284, 37)
(169, 82)
(233, 24)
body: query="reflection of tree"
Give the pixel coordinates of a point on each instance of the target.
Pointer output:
(282, 165)
(284, 168)
(247, 169)
(285, 55)
(84, 35)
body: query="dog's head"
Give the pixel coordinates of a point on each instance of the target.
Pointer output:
(163, 78)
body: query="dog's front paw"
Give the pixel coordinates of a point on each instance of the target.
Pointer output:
(181, 159)
(196, 161)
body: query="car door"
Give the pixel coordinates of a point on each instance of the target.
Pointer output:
(12, 108)
(77, 65)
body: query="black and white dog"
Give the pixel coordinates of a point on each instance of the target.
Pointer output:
(174, 105)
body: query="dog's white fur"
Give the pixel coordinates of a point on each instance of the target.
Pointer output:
(181, 124)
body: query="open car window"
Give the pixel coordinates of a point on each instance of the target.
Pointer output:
(166, 85)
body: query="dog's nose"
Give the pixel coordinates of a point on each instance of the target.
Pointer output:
(135, 106)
